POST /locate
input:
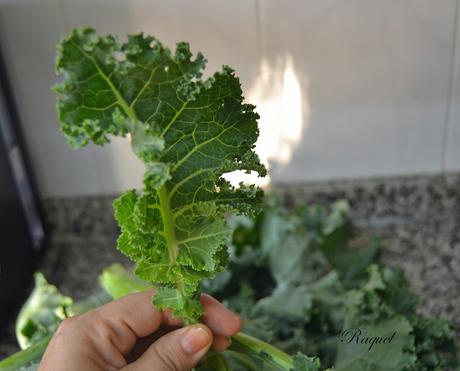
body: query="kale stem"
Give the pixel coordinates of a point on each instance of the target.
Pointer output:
(25, 357)
(118, 282)
(256, 348)
(244, 359)
(169, 232)
(214, 362)
(168, 224)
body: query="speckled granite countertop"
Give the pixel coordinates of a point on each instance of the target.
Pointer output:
(417, 219)
(82, 239)
(418, 222)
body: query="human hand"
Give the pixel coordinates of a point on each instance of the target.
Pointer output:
(105, 338)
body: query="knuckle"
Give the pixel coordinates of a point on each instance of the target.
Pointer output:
(64, 332)
(103, 328)
(167, 357)
(66, 325)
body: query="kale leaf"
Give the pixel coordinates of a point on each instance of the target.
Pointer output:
(187, 130)
(314, 279)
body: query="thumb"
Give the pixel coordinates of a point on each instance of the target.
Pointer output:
(179, 350)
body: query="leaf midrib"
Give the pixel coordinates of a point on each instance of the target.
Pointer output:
(165, 207)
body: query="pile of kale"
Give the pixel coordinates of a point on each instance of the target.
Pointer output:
(303, 281)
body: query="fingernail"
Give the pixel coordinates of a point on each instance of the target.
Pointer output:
(195, 339)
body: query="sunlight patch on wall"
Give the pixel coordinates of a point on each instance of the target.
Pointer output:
(277, 93)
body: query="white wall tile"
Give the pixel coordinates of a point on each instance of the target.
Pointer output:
(452, 150)
(225, 32)
(28, 35)
(119, 169)
(375, 77)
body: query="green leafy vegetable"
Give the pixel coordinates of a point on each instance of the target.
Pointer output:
(303, 296)
(117, 281)
(367, 312)
(41, 313)
(189, 132)
(303, 363)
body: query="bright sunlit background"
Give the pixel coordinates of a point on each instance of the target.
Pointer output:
(283, 112)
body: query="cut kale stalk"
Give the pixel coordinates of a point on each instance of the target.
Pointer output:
(188, 131)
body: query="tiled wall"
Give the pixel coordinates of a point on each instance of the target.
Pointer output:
(353, 88)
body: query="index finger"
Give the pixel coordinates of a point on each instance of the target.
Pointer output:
(134, 316)
(124, 320)
(218, 318)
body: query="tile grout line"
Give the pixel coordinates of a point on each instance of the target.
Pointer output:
(455, 58)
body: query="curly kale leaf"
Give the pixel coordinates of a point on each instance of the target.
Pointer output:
(303, 363)
(188, 131)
